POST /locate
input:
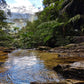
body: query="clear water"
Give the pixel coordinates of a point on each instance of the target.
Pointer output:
(24, 67)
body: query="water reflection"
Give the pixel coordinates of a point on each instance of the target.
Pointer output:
(24, 67)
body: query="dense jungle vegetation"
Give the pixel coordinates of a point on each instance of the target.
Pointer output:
(57, 25)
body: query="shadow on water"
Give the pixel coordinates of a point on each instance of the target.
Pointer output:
(24, 66)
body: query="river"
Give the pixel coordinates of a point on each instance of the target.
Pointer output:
(24, 67)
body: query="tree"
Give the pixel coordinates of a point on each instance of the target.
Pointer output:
(5, 37)
(55, 26)
(46, 3)
(75, 8)
(2, 19)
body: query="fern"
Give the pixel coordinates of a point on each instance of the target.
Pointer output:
(74, 19)
(46, 29)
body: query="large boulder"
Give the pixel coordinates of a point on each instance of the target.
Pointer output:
(72, 71)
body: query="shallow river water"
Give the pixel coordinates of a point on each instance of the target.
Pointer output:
(24, 67)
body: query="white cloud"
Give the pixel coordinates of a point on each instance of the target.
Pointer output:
(29, 6)
(22, 3)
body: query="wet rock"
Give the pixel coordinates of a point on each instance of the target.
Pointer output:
(52, 50)
(39, 83)
(69, 46)
(62, 55)
(3, 54)
(59, 68)
(80, 50)
(75, 81)
(80, 83)
(43, 48)
(73, 71)
(64, 82)
(1, 63)
(7, 50)
(78, 65)
(2, 70)
(75, 48)
(12, 48)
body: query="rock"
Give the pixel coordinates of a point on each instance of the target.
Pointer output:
(70, 46)
(52, 50)
(7, 50)
(79, 39)
(3, 70)
(75, 81)
(39, 83)
(73, 71)
(80, 50)
(12, 48)
(1, 63)
(80, 83)
(78, 65)
(43, 48)
(3, 54)
(59, 68)
(63, 82)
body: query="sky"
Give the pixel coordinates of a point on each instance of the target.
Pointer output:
(30, 4)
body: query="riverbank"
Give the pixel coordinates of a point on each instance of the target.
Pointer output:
(3, 57)
(69, 61)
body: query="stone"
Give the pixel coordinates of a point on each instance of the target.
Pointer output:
(7, 50)
(1, 63)
(43, 48)
(73, 71)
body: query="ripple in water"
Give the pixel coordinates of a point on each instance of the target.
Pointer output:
(24, 67)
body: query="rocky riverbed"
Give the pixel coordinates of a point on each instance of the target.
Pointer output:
(67, 61)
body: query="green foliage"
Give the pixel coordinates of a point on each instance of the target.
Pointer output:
(82, 28)
(51, 10)
(48, 30)
(2, 18)
(2, 15)
(48, 2)
(54, 26)
(40, 35)
(74, 19)
(5, 38)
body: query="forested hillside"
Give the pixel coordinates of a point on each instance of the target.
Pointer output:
(46, 46)
(57, 25)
